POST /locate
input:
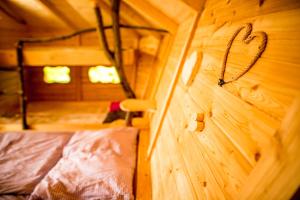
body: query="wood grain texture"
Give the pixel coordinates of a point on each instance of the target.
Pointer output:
(249, 139)
(143, 190)
(72, 56)
(182, 53)
(79, 89)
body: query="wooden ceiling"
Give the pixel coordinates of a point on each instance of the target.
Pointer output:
(79, 14)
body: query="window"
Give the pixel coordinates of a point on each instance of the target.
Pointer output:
(59, 74)
(102, 74)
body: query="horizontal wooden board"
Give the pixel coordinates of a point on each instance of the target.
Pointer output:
(72, 56)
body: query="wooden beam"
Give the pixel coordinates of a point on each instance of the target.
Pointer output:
(152, 14)
(64, 11)
(132, 17)
(6, 8)
(195, 4)
(171, 89)
(70, 56)
(107, 9)
(149, 45)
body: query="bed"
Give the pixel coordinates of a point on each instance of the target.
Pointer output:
(68, 165)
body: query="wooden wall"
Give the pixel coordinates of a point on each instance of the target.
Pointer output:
(79, 51)
(79, 89)
(9, 83)
(243, 151)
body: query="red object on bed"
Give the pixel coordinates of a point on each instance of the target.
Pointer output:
(114, 106)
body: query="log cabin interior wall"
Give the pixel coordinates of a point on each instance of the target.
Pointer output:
(241, 139)
(245, 130)
(43, 19)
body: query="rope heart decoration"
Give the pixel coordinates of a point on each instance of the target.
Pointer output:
(246, 40)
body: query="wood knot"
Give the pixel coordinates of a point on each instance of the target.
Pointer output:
(257, 156)
(261, 2)
(204, 183)
(255, 87)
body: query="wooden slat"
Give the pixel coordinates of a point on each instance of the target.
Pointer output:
(219, 12)
(143, 190)
(152, 14)
(195, 4)
(241, 153)
(72, 56)
(277, 174)
(63, 10)
(175, 164)
(162, 113)
(6, 8)
(149, 45)
(106, 8)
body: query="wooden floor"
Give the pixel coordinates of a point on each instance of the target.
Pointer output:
(50, 112)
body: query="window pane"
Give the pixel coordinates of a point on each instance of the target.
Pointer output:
(102, 74)
(59, 74)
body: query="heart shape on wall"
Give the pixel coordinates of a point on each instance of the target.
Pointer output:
(247, 38)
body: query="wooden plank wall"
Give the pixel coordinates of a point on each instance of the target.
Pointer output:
(79, 89)
(144, 68)
(9, 83)
(139, 65)
(242, 138)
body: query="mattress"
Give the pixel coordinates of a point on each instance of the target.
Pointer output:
(84, 165)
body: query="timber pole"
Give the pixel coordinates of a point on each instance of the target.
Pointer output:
(102, 36)
(23, 98)
(118, 49)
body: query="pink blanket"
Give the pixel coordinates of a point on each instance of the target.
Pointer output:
(95, 165)
(25, 158)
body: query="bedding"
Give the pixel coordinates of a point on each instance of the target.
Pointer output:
(95, 165)
(14, 197)
(25, 158)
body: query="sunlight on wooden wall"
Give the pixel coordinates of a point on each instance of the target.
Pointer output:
(102, 74)
(59, 74)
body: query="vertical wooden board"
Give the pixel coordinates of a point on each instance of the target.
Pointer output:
(202, 178)
(277, 174)
(144, 68)
(189, 27)
(9, 82)
(158, 66)
(195, 181)
(173, 60)
(157, 189)
(227, 157)
(243, 117)
(143, 190)
(178, 167)
(168, 179)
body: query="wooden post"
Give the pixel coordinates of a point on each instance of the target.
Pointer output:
(118, 49)
(23, 99)
(102, 36)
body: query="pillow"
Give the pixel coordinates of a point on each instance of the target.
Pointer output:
(25, 158)
(95, 165)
